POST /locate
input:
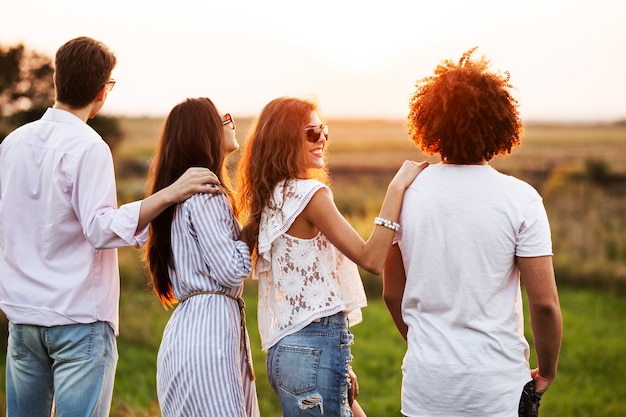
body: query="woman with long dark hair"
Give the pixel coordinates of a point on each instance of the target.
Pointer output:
(196, 260)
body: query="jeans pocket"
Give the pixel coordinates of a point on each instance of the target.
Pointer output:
(295, 368)
(529, 401)
(73, 342)
(16, 347)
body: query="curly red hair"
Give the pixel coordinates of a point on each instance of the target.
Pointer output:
(464, 112)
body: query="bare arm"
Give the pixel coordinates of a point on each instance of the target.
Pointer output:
(322, 213)
(394, 280)
(357, 410)
(193, 181)
(537, 276)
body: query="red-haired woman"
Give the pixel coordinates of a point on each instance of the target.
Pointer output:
(310, 290)
(196, 259)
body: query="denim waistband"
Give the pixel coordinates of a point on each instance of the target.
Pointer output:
(337, 319)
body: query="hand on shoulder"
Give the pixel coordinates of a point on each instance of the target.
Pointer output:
(407, 173)
(194, 181)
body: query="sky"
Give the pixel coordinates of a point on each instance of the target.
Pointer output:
(357, 59)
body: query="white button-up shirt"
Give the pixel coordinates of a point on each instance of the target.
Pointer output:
(60, 224)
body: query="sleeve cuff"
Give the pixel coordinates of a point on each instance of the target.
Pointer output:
(125, 223)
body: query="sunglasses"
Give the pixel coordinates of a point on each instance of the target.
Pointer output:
(314, 133)
(228, 120)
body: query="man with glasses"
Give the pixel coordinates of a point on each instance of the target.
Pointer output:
(59, 230)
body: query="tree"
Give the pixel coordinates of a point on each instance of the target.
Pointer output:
(25, 80)
(27, 90)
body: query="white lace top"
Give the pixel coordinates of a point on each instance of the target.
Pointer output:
(300, 279)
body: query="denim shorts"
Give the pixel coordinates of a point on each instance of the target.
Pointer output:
(73, 364)
(309, 369)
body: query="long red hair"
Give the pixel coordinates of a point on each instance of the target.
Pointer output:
(274, 151)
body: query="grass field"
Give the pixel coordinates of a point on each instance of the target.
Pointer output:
(353, 142)
(579, 169)
(589, 234)
(590, 381)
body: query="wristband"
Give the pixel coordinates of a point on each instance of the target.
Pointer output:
(379, 221)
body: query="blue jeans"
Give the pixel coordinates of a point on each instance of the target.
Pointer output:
(72, 366)
(309, 369)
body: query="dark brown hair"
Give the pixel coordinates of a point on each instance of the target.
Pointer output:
(464, 113)
(82, 67)
(192, 136)
(274, 151)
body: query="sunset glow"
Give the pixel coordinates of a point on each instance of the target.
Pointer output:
(566, 58)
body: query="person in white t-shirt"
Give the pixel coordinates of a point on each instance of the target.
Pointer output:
(59, 230)
(469, 234)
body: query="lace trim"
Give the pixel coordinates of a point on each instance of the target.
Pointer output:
(300, 191)
(300, 279)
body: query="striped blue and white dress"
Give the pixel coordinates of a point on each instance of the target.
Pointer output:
(202, 368)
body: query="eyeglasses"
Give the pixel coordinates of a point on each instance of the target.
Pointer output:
(110, 84)
(228, 120)
(314, 133)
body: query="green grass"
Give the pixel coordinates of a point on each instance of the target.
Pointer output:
(590, 380)
(591, 358)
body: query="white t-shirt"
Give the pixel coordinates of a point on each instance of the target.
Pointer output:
(461, 228)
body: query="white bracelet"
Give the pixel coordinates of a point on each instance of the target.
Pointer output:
(379, 221)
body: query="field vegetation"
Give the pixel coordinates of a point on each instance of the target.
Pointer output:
(579, 169)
